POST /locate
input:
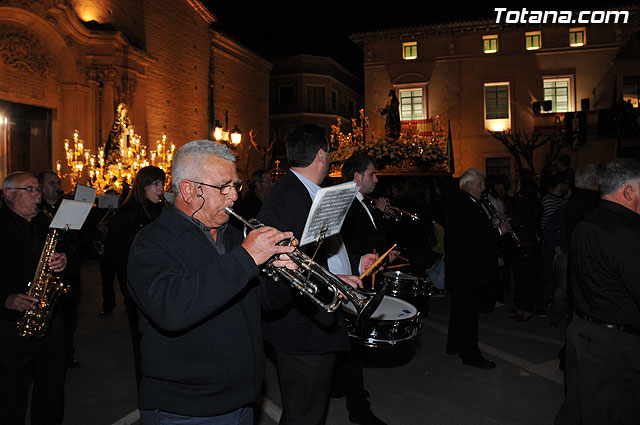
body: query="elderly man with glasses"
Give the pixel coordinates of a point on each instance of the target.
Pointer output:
(36, 362)
(192, 279)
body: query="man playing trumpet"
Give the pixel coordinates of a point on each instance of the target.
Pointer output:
(191, 276)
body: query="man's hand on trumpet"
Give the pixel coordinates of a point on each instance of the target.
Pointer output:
(261, 245)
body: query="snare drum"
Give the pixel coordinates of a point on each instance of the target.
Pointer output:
(403, 285)
(395, 321)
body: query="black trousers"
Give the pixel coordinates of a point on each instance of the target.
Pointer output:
(108, 272)
(305, 384)
(602, 376)
(32, 362)
(349, 378)
(466, 300)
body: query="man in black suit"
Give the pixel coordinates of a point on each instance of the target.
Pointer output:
(364, 229)
(306, 337)
(471, 266)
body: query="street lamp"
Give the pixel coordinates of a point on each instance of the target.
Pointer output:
(222, 134)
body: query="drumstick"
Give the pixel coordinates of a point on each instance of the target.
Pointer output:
(378, 261)
(373, 277)
(402, 258)
(395, 266)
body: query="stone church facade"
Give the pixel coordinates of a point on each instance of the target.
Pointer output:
(65, 65)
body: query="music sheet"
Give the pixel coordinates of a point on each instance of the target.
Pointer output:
(328, 211)
(108, 201)
(71, 214)
(85, 193)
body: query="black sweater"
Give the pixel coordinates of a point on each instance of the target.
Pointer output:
(199, 318)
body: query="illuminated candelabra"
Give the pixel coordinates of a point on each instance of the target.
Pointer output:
(104, 174)
(132, 156)
(162, 158)
(77, 158)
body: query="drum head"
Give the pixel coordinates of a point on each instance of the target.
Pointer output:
(390, 308)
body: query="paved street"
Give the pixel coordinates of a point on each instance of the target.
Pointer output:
(418, 385)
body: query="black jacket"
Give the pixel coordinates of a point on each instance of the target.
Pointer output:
(200, 321)
(20, 248)
(471, 244)
(302, 327)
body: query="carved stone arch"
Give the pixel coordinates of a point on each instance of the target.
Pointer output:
(42, 34)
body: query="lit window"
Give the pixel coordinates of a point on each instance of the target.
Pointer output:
(497, 101)
(411, 105)
(490, 43)
(410, 50)
(577, 37)
(497, 106)
(557, 90)
(632, 91)
(533, 40)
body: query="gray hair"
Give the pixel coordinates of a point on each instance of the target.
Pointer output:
(586, 177)
(469, 175)
(187, 162)
(616, 173)
(10, 181)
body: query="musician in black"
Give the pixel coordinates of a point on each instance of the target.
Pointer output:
(38, 362)
(306, 337)
(364, 231)
(191, 276)
(471, 266)
(603, 339)
(52, 196)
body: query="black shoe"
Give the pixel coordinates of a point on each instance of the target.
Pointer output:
(365, 418)
(480, 363)
(73, 363)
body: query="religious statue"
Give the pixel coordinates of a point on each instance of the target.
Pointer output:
(119, 130)
(392, 111)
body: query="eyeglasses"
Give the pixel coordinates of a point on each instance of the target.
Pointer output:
(225, 188)
(29, 189)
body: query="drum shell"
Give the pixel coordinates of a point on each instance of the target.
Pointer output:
(402, 285)
(385, 332)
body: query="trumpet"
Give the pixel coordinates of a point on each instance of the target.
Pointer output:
(314, 281)
(492, 209)
(393, 212)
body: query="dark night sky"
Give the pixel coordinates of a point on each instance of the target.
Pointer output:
(321, 28)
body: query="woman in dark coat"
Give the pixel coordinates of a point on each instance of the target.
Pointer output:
(142, 205)
(525, 215)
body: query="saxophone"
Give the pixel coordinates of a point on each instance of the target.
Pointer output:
(46, 288)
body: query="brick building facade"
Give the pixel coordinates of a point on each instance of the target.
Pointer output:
(66, 65)
(485, 75)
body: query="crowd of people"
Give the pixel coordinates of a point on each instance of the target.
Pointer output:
(562, 246)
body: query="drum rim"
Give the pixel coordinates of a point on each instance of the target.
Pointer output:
(398, 275)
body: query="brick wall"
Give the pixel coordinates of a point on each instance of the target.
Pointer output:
(176, 98)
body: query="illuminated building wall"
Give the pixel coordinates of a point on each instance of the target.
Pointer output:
(79, 59)
(451, 70)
